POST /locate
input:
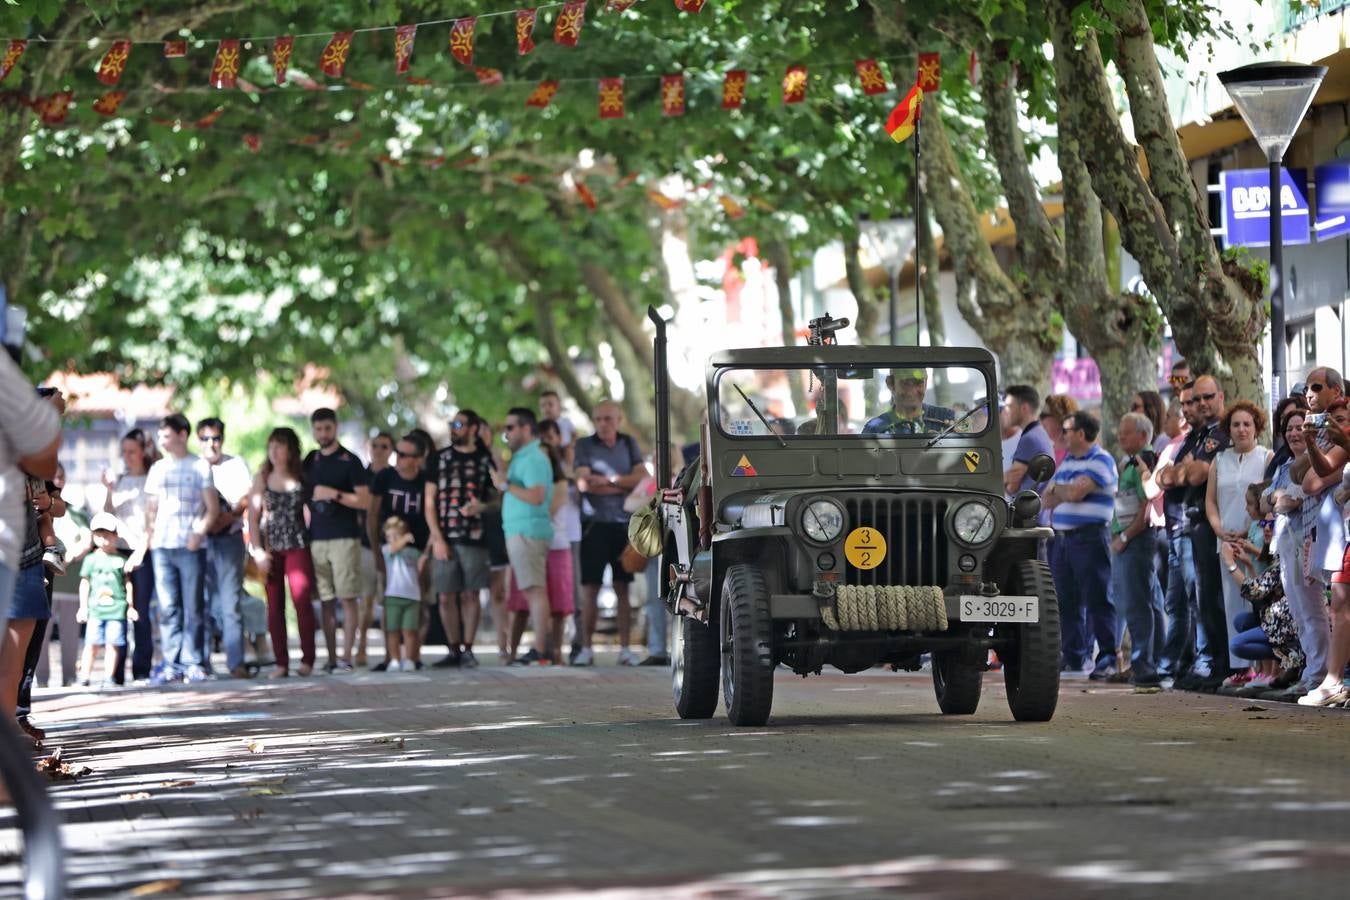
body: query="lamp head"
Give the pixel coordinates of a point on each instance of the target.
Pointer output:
(1273, 98)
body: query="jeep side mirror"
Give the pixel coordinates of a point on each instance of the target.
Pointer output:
(1041, 468)
(1026, 506)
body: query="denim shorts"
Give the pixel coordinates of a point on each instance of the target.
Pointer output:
(106, 633)
(30, 595)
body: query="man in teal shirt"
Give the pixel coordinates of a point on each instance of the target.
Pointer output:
(527, 492)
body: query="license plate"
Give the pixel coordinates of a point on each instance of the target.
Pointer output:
(999, 609)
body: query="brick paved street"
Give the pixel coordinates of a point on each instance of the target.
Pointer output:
(503, 781)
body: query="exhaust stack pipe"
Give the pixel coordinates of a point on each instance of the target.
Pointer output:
(662, 385)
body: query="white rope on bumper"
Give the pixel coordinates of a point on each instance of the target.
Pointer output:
(886, 607)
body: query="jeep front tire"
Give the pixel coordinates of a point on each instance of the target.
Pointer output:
(747, 646)
(1031, 665)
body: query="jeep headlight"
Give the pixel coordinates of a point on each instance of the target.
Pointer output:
(822, 521)
(973, 523)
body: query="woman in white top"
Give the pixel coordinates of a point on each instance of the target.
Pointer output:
(127, 499)
(1235, 469)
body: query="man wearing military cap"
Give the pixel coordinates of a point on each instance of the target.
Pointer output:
(909, 414)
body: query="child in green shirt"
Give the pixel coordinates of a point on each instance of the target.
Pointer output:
(105, 600)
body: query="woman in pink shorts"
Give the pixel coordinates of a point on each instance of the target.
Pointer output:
(558, 574)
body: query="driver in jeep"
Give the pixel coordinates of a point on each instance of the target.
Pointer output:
(909, 414)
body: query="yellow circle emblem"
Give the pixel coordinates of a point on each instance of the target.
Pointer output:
(865, 548)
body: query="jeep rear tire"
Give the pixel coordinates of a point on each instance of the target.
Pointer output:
(747, 647)
(958, 676)
(695, 661)
(1031, 664)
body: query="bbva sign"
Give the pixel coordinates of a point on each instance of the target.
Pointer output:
(1246, 206)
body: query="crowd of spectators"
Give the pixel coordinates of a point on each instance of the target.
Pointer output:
(1201, 552)
(421, 539)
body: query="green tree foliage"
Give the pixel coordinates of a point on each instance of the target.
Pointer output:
(415, 239)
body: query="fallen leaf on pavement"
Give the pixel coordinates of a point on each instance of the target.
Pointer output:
(400, 743)
(182, 782)
(1253, 709)
(266, 792)
(53, 768)
(163, 886)
(139, 795)
(255, 747)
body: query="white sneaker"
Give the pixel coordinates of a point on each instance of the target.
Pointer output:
(394, 666)
(627, 657)
(585, 658)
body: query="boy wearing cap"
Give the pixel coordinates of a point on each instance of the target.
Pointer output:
(105, 600)
(909, 414)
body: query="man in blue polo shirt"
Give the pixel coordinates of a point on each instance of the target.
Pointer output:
(1081, 501)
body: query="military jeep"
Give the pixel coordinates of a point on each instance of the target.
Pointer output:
(862, 523)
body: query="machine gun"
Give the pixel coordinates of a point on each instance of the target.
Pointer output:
(822, 330)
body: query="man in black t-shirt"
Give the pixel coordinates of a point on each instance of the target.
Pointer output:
(459, 490)
(336, 484)
(1186, 484)
(400, 490)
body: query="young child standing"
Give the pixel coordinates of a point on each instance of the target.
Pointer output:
(105, 600)
(402, 593)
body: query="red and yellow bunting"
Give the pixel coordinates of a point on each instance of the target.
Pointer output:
(281, 57)
(108, 104)
(114, 62)
(175, 49)
(488, 77)
(543, 94)
(461, 40)
(689, 6)
(525, 30)
(672, 95)
(225, 70)
(620, 5)
(253, 142)
(334, 59)
(733, 209)
(404, 36)
(930, 72)
(662, 200)
(567, 29)
(53, 108)
(585, 194)
(794, 84)
(870, 77)
(210, 118)
(611, 98)
(11, 57)
(905, 117)
(733, 89)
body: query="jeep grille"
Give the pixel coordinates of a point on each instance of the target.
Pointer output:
(916, 539)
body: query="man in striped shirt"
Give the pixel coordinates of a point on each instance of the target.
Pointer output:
(1082, 501)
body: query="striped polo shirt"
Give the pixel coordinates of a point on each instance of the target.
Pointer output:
(1097, 507)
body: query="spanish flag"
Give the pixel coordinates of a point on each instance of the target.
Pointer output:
(905, 117)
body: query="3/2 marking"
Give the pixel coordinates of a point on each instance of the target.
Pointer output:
(865, 548)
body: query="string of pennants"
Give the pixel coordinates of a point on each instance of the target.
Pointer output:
(568, 24)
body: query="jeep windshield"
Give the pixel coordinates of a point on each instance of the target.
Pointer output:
(843, 401)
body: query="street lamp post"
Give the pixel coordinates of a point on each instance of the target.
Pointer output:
(1273, 98)
(892, 240)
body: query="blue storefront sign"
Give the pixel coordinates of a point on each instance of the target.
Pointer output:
(1246, 207)
(1332, 183)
